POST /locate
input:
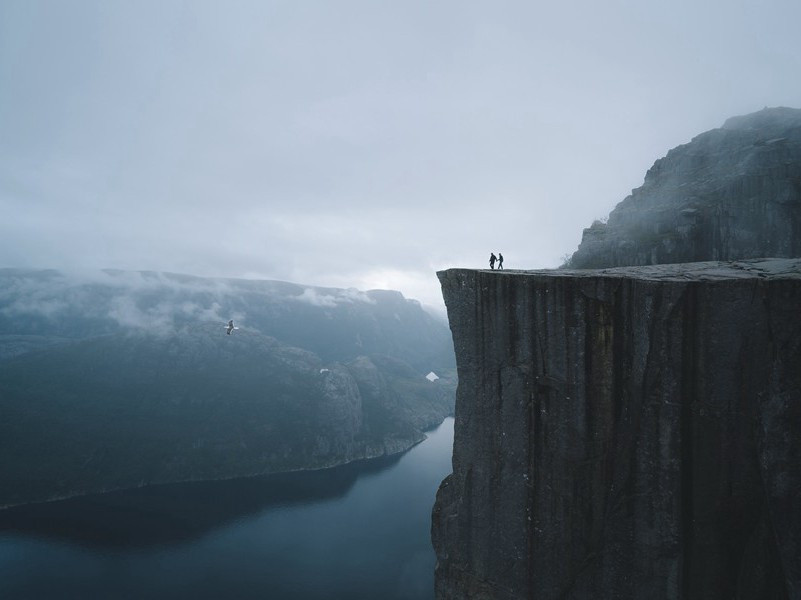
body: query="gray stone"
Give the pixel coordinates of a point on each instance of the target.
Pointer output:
(730, 193)
(625, 433)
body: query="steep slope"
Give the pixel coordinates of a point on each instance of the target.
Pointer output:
(130, 384)
(730, 193)
(627, 433)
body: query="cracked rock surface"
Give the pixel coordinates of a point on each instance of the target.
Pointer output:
(630, 432)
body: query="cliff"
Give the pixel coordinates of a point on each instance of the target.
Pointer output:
(730, 193)
(625, 433)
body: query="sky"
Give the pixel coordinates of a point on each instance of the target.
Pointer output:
(356, 143)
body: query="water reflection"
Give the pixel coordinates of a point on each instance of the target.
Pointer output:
(177, 513)
(360, 531)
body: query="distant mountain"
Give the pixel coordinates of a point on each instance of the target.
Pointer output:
(731, 193)
(117, 379)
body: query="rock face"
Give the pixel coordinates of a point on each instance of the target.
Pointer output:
(729, 194)
(625, 433)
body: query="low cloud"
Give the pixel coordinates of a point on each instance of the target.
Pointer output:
(310, 296)
(127, 314)
(132, 300)
(354, 295)
(151, 301)
(316, 297)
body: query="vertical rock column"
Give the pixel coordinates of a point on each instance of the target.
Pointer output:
(628, 433)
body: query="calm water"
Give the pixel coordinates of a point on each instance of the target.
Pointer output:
(358, 531)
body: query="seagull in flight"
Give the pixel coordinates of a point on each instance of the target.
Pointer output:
(230, 327)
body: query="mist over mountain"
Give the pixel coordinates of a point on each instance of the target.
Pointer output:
(120, 379)
(730, 193)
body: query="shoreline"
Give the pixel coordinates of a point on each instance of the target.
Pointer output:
(400, 447)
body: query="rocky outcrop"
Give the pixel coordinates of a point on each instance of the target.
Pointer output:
(731, 193)
(624, 433)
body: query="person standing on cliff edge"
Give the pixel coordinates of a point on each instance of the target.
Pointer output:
(492, 260)
(500, 261)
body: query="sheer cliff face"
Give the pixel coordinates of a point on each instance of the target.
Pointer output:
(730, 193)
(628, 433)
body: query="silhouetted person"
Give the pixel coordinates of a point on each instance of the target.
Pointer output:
(492, 260)
(500, 261)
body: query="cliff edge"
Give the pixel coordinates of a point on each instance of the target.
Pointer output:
(625, 433)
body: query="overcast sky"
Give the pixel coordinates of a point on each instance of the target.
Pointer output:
(356, 143)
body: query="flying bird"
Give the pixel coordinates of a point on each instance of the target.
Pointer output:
(230, 327)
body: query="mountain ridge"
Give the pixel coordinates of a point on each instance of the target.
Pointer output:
(139, 383)
(730, 193)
